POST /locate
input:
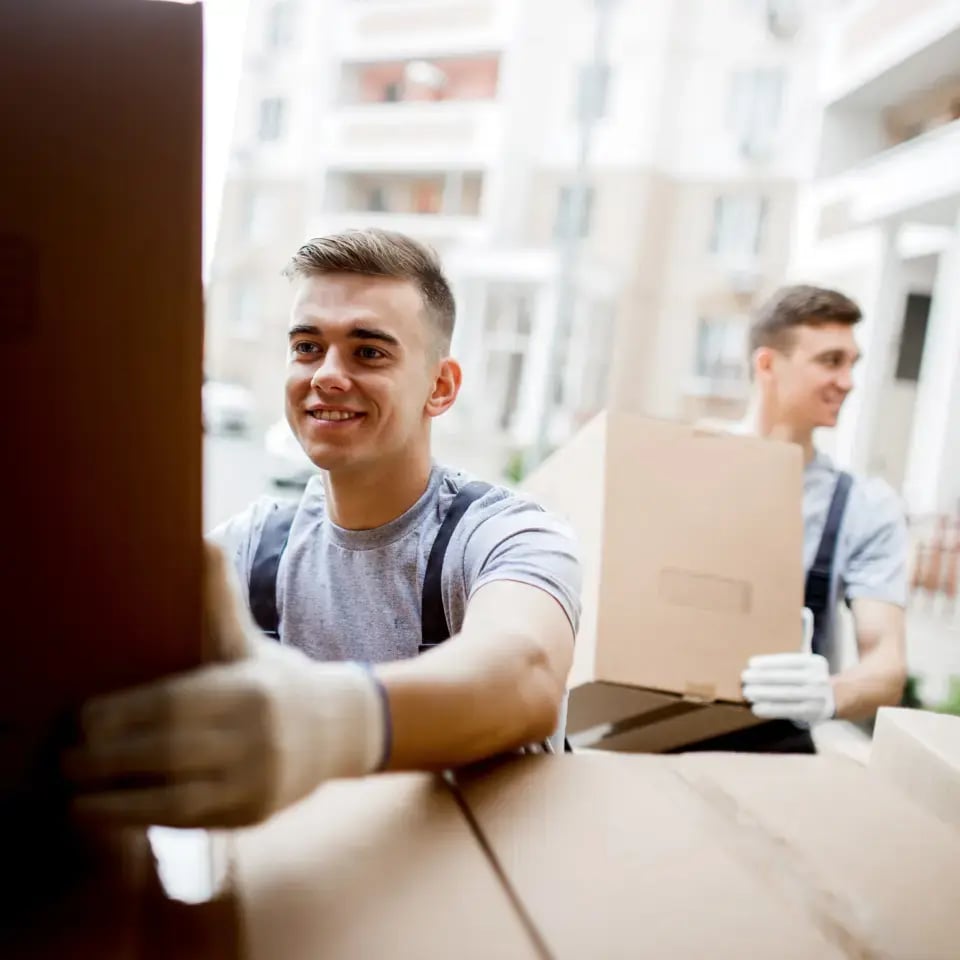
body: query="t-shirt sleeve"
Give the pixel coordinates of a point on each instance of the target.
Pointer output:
(524, 543)
(239, 536)
(877, 568)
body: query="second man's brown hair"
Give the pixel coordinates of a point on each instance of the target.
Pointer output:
(799, 306)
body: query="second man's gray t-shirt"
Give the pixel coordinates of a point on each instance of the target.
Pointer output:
(871, 557)
(356, 594)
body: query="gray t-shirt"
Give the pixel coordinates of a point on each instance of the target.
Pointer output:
(355, 594)
(871, 557)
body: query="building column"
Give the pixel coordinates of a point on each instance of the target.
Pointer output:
(932, 482)
(878, 337)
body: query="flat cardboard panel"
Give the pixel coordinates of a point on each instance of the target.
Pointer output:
(919, 752)
(871, 866)
(100, 362)
(616, 857)
(720, 856)
(384, 867)
(700, 723)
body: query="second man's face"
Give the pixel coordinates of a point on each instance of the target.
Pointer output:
(815, 377)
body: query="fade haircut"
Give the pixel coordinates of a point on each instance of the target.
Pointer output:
(383, 253)
(799, 306)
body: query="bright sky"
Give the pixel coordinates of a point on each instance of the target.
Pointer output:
(224, 23)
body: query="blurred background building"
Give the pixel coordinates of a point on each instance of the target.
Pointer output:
(614, 186)
(611, 184)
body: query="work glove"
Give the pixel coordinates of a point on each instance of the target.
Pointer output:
(230, 743)
(791, 686)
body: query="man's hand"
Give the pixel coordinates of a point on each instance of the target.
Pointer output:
(227, 744)
(791, 686)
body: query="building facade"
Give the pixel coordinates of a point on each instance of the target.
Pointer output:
(612, 185)
(881, 221)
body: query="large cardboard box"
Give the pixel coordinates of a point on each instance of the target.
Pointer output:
(692, 543)
(386, 867)
(919, 752)
(100, 358)
(719, 855)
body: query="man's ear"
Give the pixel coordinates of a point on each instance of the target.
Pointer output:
(446, 386)
(762, 362)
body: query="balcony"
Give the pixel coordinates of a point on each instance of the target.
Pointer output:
(414, 134)
(377, 29)
(436, 207)
(888, 50)
(919, 178)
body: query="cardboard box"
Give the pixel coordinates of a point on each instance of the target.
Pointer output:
(100, 355)
(692, 544)
(720, 856)
(386, 867)
(919, 752)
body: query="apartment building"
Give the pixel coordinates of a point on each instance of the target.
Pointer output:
(611, 183)
(881, 221)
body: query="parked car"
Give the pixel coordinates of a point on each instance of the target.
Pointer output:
(227, 407)
(287, 464)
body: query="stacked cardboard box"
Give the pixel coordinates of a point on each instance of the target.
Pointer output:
(692, 550)
(603, 855)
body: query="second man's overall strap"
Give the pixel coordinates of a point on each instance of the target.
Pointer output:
(820, 577)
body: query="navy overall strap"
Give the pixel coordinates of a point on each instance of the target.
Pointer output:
(817, 592)
(266, 561)
(434, 628)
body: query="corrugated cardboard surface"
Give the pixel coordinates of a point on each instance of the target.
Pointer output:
(723, 856)
(386, 867)
(919, 752)
(702, 557)
(692, 553)
(100, 350)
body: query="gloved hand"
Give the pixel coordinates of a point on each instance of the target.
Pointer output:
(231, 743)
(791, 686)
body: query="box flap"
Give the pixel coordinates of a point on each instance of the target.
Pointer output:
(871, 866)
(617, 857)
(919, 752)
(719, 855)
(386, 866)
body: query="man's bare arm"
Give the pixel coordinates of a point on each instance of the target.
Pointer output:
(495, 686)
(878, 679)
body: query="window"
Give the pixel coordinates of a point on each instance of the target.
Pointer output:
(256, 215)
(564, 221)
(738, 221)
(593, 85)
(753, 110)
(721, 350)
(280, 25)
(508, 324)
(246, 312)
(272, 112)
(913, 337)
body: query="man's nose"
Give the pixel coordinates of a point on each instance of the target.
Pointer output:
(331, 373)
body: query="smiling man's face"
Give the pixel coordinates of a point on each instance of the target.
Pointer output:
(814, 374)
(363, 371)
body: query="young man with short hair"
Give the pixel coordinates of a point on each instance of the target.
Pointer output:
(803, 353)
(384, 557)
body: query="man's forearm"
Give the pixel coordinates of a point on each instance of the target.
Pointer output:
(458, 704)
(877, 681)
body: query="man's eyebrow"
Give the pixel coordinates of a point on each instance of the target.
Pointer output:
(357, 333)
